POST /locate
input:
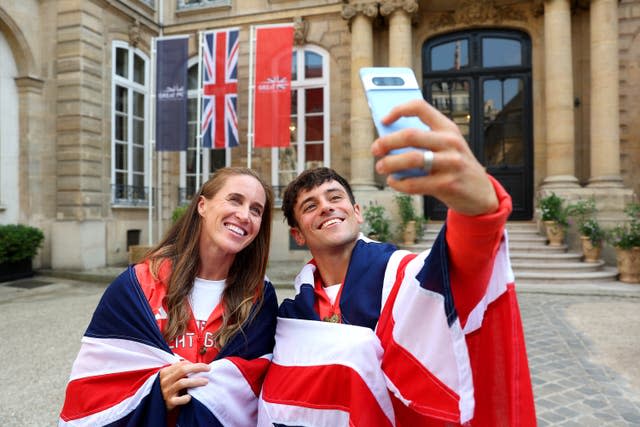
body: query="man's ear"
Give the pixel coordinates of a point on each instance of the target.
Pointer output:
(358, 213)
(297, 236)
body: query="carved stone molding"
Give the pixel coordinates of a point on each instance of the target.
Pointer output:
(29, 84)
(300, 30)
(368, 9)
(387, 7)
(134, 33)
(470, 12)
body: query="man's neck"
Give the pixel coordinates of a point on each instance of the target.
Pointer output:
(333, 264)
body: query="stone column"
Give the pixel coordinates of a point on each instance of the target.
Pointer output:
(605, 117)
(400, 40)
(362, 133)
(80, 154)
(559, 95)
(36, 166)
(37, 194)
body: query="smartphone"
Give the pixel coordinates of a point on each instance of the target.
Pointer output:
(386, 87)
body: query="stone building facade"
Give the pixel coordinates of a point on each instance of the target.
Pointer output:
(547, 93)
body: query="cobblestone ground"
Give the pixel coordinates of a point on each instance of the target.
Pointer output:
(579, 379)
(569, 388)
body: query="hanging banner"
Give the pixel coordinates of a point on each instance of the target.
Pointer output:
(272, 93)
(171, 93)
(219, 126)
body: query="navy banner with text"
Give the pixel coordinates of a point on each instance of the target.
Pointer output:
(171, 93)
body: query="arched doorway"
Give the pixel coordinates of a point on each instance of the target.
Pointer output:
(481, 79)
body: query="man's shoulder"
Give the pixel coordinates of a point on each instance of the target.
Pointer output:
(372, 252)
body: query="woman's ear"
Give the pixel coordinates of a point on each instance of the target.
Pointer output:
(202, 205)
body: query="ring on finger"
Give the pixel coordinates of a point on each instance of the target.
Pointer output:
(427, 157)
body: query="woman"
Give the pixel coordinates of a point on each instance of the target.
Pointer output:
(185, 335)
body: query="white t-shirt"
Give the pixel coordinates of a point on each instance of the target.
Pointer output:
(204, 297)
(332, 292)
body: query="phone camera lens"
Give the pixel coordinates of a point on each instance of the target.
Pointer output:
(388, 81)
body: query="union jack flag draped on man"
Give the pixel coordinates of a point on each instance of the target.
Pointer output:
(220, 88)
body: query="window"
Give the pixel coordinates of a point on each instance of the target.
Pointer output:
(129, 126)
(198, 4)
(210, 160)
(309, 127)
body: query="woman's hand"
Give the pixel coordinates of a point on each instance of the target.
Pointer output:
(174, 381)
(456, 178)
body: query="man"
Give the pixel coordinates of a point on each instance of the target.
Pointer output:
(377, 336)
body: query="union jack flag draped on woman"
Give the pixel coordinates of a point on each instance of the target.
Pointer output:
(115, 378)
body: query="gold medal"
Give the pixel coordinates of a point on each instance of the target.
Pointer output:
(334, 318)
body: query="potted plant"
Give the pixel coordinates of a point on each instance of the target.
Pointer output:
(555, 218)
(591, 233)
(625, 238)
(410, 223)
(18, 245)
(377, 225)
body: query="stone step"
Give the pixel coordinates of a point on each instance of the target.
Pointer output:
(526, 248)
(545, 257)
(607, 274)
(560, 267)
(528, 238)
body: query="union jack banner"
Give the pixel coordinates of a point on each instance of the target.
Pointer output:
(219, 127)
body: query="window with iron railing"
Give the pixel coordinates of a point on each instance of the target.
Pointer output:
(129, 142)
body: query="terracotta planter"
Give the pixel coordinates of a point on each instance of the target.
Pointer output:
(591, 253)
(555, 233)
(628, 264)
(409, 233)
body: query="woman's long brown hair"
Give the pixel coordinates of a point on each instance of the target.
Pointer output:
(244, 282)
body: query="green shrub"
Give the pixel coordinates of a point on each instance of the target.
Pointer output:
(377, 225)
(553, 209)
(591, 229)
(584, 212)
(407, 212)
(178, 212)
(627, 235)
(18, 242)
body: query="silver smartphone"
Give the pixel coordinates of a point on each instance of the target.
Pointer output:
(386, 87)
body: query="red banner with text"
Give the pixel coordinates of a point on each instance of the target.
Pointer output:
(272, 93)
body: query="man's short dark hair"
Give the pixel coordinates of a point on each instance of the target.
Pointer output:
(306, 181)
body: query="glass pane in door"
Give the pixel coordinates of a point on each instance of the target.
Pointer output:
(451, 97)
(451, 55)
(503, 104)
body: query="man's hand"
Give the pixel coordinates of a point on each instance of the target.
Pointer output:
(456, 178)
